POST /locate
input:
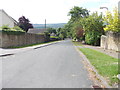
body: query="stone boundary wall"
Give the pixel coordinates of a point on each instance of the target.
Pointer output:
(7, 40)
(111, 41)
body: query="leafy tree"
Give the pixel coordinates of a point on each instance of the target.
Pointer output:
(93, 26)
(74, 25)
(51, 30)
(113, 21)
(78, 12)
(61, 33)
(24, 23)
(78, 31)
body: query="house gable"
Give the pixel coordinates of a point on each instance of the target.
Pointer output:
(5, 19)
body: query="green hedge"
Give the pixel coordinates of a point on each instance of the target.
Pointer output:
(13, 31)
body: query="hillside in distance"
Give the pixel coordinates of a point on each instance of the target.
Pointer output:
(57, 25)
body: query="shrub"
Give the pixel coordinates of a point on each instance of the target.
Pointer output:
(47, 35)
(93, 26)
(113, 21)
(15, 30)
(92, 38)
(18, 28)
(54, 38)
(5, 27)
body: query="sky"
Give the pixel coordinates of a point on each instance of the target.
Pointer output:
(54, 11)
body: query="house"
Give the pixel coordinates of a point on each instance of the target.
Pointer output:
(5, 19)
(36, 30)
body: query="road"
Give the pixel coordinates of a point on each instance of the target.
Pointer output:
(55, 66)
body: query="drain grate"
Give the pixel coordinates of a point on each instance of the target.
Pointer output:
(96, 86)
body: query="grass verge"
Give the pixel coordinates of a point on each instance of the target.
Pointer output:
(106, 65)
(77, 43)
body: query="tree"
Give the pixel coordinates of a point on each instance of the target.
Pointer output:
(78, 12)
(24, 23)
(78, 31)
(61, 33)
(51, 30)
(74, 26)
(93, 26)
(113, 21)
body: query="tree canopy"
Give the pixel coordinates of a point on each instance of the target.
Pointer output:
(78, 12)
(113, 21)
(24, 23)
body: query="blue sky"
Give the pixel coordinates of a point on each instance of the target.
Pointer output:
(54, 11)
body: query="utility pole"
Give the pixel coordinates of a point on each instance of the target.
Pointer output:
(45, 24)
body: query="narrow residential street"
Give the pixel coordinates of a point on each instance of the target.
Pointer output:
(55, 66)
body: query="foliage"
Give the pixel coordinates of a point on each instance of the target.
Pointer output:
(78, 32)
(5, 27)
(14, 30)
(24, 23)
(47, 35)
(113, 21)
(54, 38)
(78, 12)
(93, 27)
(74, 27)
(92, 38)
(51, 30)
(62, 33)
(17, 28)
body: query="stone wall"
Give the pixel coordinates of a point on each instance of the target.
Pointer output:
(111, 41)
(7, 40)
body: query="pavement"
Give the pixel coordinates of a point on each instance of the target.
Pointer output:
(4, 52)
(56, 65)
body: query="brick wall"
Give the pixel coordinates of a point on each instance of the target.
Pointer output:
(111, 41)
(7, 40)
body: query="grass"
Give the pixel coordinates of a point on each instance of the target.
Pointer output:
(77, 43)
(106, 65)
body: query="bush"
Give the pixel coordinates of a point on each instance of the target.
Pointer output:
(92, 38)
(5, 27)
(47, 35)
(15, 30)
(93, 26)
(113, 21)
(54, 38)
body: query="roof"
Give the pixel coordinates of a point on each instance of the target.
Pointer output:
(15, 22)
(36, 30)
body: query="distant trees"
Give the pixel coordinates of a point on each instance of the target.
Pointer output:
(74, 27)
(51, 30)
(24, 23)
(83, 26)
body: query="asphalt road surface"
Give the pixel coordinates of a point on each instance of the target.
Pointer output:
(55, 66)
